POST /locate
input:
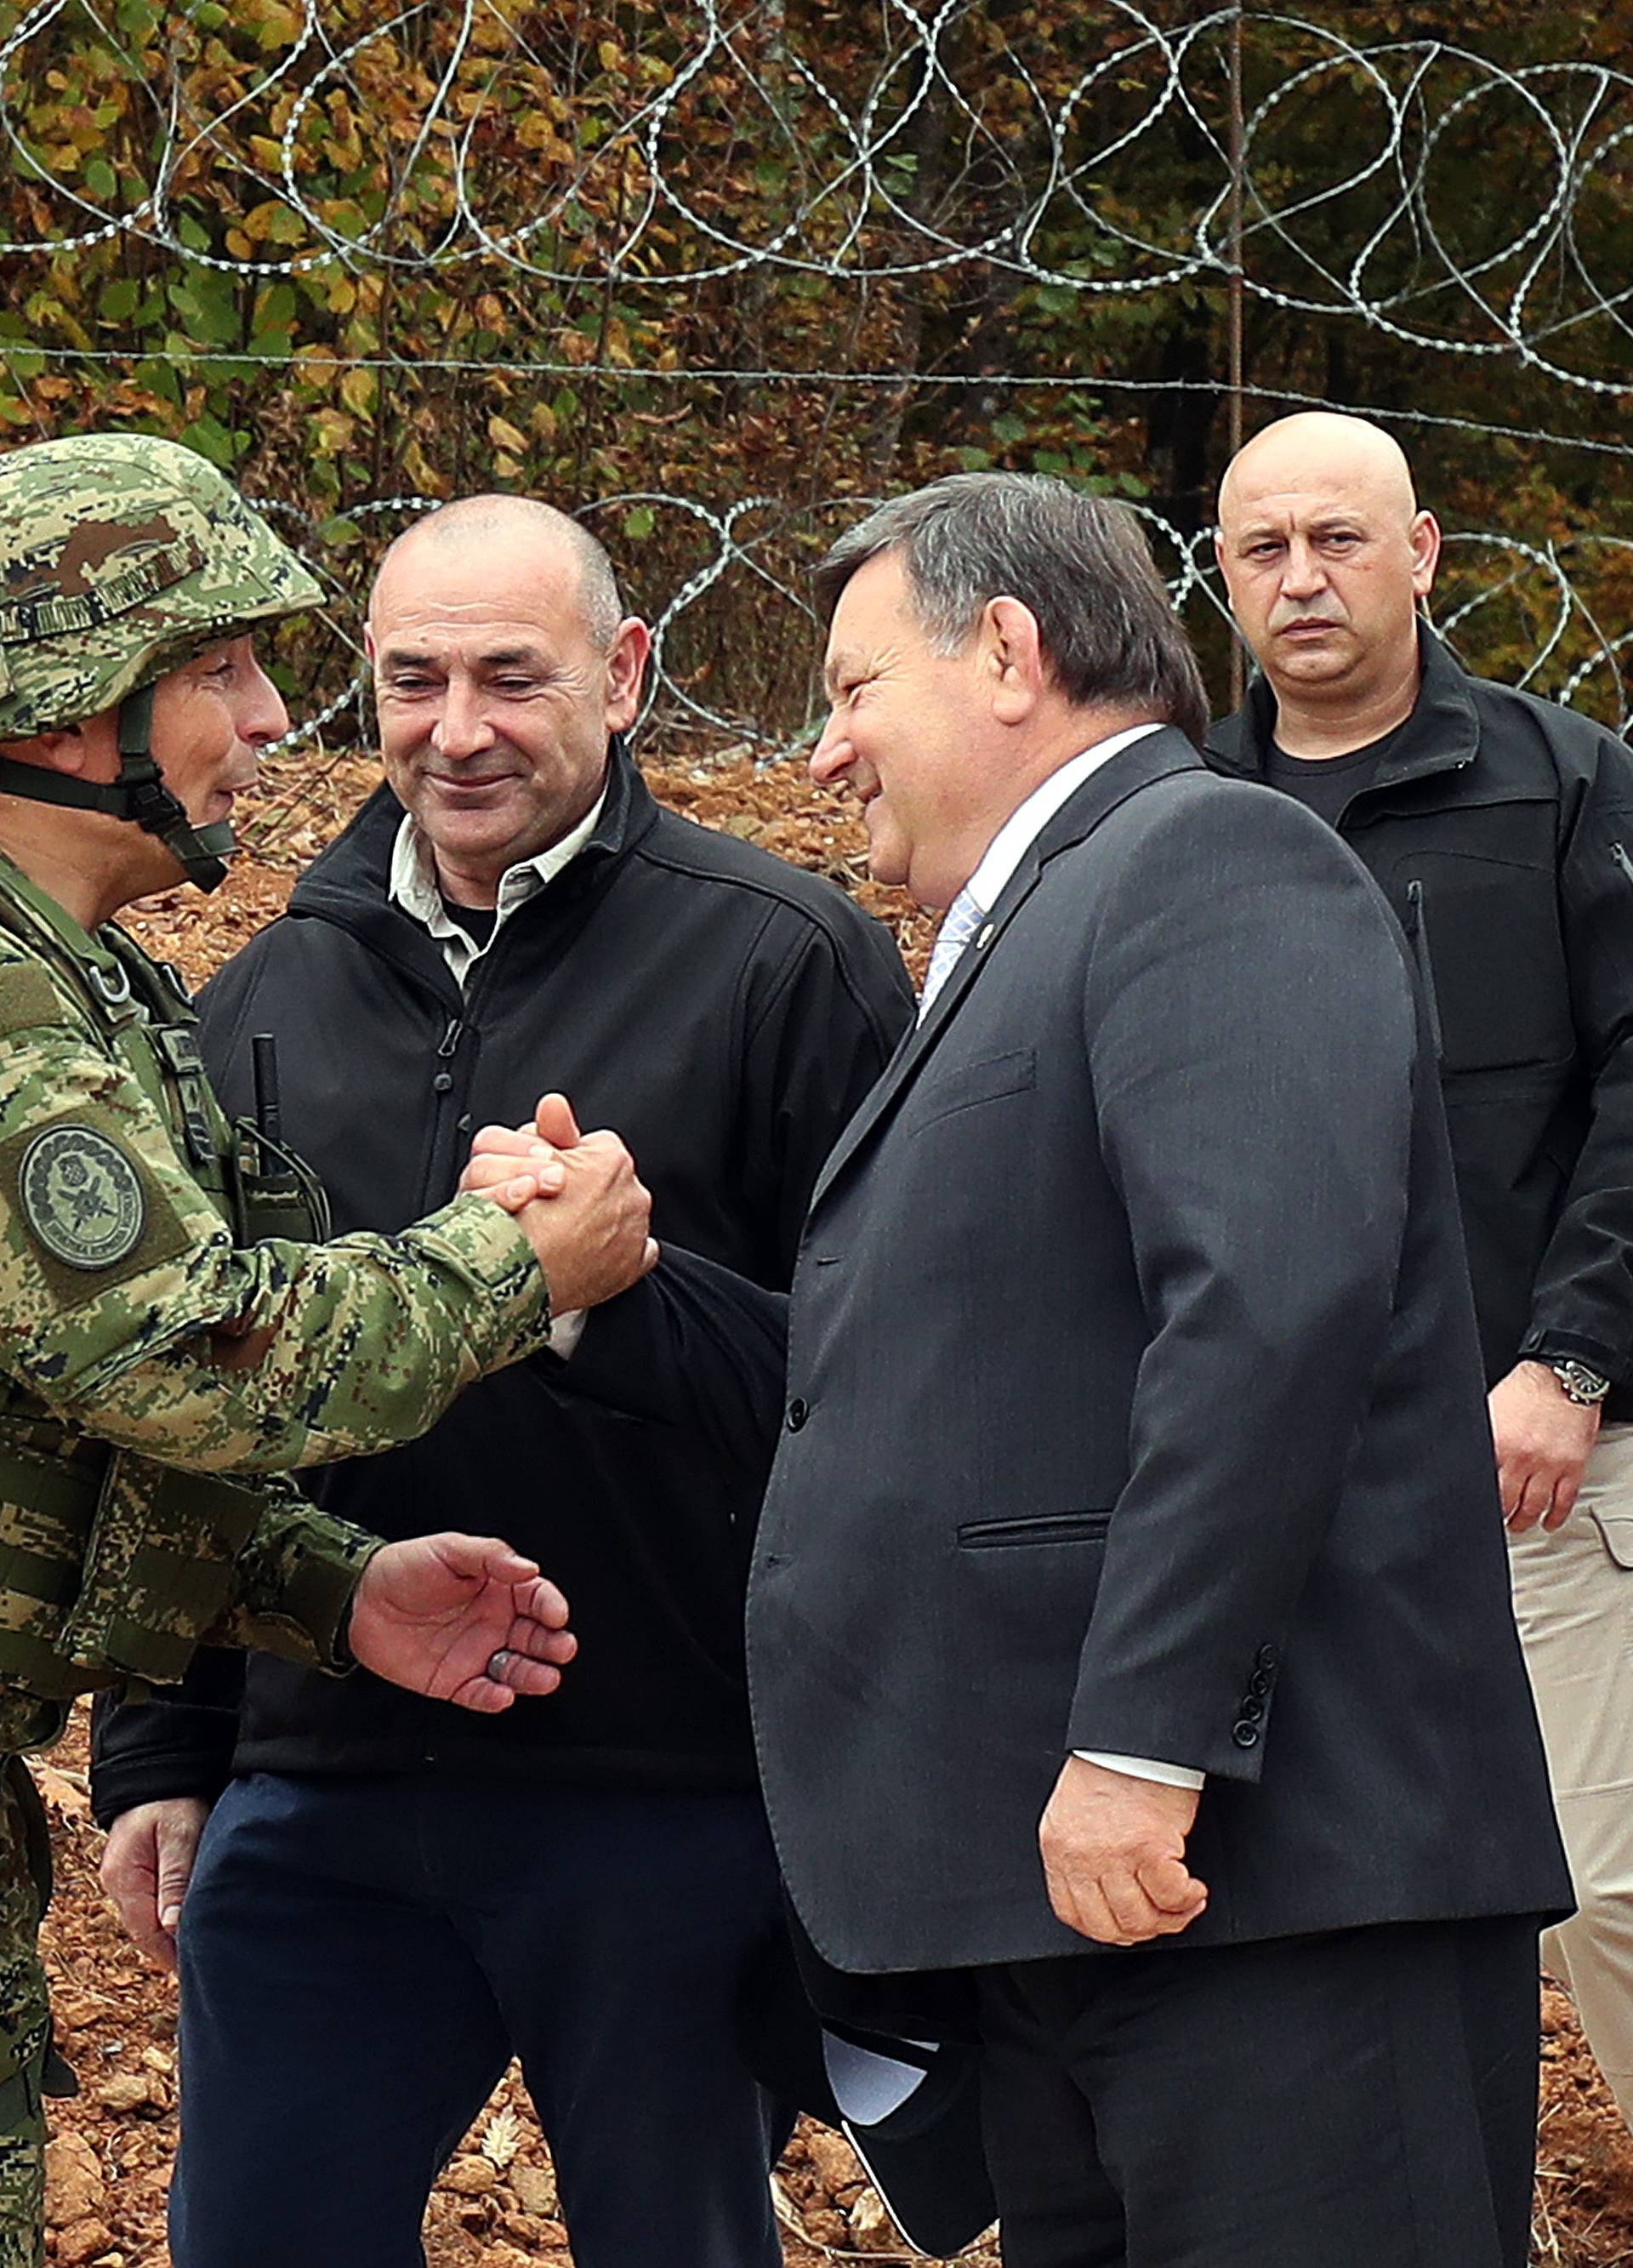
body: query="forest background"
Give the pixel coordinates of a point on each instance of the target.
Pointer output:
(713, 273)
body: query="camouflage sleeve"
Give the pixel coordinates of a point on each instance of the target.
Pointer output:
(116, 1271)
(295, 1581)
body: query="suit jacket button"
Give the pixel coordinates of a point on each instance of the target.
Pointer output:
(1244, 1734)
(798, 1410)
(1252, 1708)
(1267, 1657)
(1260, 1681)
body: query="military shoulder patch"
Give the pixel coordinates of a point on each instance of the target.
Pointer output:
(82, 1196)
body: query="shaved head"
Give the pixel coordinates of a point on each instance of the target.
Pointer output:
(1321, 445)
(1327, 557)
(520, 523)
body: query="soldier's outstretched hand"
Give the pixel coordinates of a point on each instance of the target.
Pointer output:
(462, 1618)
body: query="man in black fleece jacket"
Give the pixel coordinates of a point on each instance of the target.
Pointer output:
(1498, 825)
(389, 1901)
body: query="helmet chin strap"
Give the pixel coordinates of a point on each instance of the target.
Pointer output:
(202, 852)
(139, 795)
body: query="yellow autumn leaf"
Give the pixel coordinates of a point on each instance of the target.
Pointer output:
(261, 220)
(422, 472)
(333, 431)
(358, 390)
(507, 436)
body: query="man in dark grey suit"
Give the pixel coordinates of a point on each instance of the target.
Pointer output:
(1129, 1630)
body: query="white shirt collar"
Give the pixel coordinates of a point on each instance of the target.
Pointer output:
(1021, 829)
(413, 887)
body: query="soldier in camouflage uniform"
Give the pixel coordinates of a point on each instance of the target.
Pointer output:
(170, 1334)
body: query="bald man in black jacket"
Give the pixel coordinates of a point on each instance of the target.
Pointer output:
(384, 1911)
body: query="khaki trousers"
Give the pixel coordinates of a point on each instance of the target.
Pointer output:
(1573, 1601)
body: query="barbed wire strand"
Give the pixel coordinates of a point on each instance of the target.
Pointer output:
(1369, 228)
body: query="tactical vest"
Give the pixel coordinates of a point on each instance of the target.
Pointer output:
(91, 1535)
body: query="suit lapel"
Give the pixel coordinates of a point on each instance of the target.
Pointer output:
(918, 1041)
(1130, 770)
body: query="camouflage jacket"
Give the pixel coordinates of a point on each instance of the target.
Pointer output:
(150, 1355)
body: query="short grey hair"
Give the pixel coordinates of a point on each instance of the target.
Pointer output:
(498, 515)
(1080, 563)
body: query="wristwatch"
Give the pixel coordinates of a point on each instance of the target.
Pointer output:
(1579, 1384)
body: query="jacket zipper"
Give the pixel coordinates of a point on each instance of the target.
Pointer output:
(1418, 930)
(441, 1083)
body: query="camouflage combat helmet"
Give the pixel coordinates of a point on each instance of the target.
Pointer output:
(122, 556)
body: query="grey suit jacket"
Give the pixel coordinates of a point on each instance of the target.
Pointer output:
(1135, 1404)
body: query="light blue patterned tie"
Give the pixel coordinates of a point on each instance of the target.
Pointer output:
(964, 918)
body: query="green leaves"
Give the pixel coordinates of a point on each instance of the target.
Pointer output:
(206, 303)
(210, 438)
(118, 300)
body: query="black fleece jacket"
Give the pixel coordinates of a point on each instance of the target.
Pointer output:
(725, 1012)
(1500, 828)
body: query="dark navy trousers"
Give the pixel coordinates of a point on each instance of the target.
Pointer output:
(361, 1958)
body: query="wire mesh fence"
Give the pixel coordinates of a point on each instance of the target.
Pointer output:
(715, 275)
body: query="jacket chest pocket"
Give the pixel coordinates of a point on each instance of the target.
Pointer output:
(1485, 934)
(1036, 1528)
(994, 1079)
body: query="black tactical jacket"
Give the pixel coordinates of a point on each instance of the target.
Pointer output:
(1501, 830)
(724, 1011)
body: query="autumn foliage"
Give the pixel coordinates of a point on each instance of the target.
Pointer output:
(713, 276)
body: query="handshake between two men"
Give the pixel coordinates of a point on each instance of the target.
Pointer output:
(464, 1618)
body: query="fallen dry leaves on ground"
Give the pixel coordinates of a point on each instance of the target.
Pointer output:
(495, 2207)
(772, 804)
